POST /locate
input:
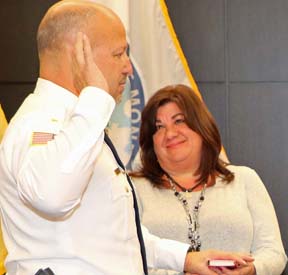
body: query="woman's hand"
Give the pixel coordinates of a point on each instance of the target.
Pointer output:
(249, 269)
(197, 263)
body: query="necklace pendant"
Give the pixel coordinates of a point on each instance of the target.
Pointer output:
(198, 245)
(192, 218)
(194, 226)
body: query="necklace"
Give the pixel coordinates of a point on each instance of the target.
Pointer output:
(183, 189)
(192, 218)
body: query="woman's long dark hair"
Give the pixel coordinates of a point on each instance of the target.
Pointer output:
(198, 118)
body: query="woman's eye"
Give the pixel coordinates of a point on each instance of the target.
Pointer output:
(158, 127)
(179, 121)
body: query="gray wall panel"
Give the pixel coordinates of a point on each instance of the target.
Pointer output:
(214, 96)
(258, 136)
(258, 40)
(200, 27)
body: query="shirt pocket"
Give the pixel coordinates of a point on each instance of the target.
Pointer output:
(123, 202)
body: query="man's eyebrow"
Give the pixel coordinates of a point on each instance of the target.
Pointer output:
(122, 48)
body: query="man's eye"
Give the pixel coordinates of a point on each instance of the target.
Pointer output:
(118, 55)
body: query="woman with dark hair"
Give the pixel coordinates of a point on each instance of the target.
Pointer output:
(186, 192)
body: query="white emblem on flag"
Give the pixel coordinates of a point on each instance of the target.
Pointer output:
(125, 121)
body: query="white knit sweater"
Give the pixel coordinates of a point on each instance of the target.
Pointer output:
(238, 216)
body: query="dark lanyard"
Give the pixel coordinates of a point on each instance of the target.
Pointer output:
(137, 218)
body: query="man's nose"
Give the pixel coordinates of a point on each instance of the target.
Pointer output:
(128, 68)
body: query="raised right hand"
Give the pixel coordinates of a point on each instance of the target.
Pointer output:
(85, 71)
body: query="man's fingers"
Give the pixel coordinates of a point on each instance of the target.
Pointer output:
(78, 63)
(85, 70)
(88, 56)
(79, 49)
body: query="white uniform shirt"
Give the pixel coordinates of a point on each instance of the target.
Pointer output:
(62, 204)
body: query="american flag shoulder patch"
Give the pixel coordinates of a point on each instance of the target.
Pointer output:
(41, 138)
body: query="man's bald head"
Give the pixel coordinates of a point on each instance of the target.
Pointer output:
(61, 48)
(64, 19)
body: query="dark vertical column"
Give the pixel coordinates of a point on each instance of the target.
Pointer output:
(19, 62)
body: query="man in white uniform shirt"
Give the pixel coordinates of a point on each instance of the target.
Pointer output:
(64, 203)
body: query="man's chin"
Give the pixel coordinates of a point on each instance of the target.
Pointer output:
(118, 98)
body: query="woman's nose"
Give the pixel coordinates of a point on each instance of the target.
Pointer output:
(171, 131)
